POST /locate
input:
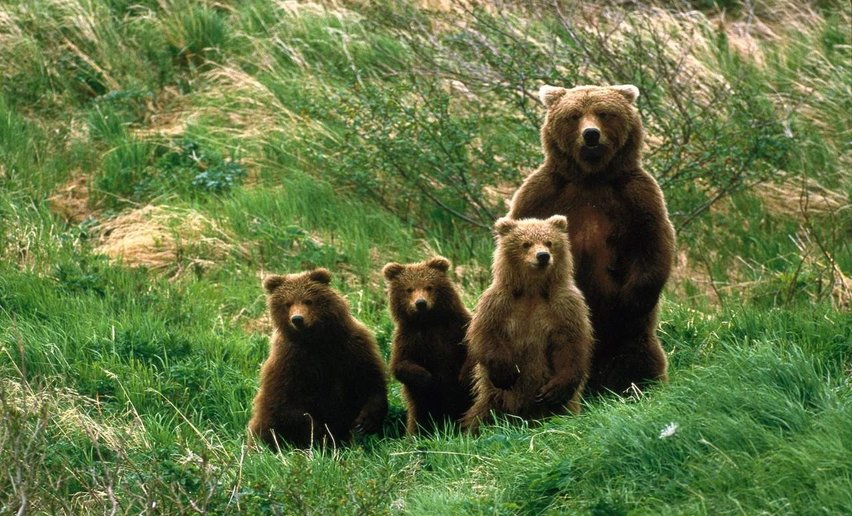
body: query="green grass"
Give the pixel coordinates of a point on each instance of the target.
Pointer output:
(307, 136)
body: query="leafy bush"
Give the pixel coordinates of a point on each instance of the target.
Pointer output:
(210, 171)
(423, 154)
(712, 133)
(139, 170)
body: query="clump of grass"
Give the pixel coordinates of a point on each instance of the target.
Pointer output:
(163, 239)
(195, 33)
(71, 200)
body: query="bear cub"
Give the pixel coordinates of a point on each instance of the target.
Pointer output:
(429, 354)
(621, 238)
(324, 379)
(530, 335)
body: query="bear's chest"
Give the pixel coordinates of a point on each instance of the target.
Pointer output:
(530, 324)
(595, 220)
(528, 330)
(436, 346)
(589, 229)
(322, 376)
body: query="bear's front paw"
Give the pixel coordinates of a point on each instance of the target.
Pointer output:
(366, 424)
(503, 374)
(421, 381)
(554, 393)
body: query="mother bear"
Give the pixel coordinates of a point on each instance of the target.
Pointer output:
(621, 238)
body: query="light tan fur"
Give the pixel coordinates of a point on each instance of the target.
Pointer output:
(530, 335)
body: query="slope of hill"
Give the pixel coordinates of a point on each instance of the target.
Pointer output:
(158, 157)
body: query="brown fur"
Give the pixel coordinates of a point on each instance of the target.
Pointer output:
(622, 240)
(429, 354)
(323, 380)
(530, 334)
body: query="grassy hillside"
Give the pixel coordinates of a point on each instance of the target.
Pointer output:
(158, 157)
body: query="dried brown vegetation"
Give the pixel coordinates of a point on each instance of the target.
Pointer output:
(165, 240)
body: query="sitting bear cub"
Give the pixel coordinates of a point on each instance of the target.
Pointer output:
(324, 377)
(429, 353)
(530, 335)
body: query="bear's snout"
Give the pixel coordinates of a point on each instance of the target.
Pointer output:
(298, 320)
(591, 136)
(420, 304)
(542, 257)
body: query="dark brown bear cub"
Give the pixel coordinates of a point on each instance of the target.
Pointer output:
(621, 237)
(530, 335)
(324, 378)
(429, 353)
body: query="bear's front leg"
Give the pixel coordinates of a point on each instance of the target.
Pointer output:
(647, 258)
(557, 391)
(570, 361)
(641, 291)
(412, 374)
(502, 371)
(373, 413)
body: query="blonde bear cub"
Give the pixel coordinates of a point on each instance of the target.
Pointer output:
(530, 335)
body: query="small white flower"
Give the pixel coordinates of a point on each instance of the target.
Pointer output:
(669, 430)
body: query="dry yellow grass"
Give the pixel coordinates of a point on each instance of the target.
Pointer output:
(67, 413)
(166, 240)
(166, 115)
(71, 200)
(800, 196)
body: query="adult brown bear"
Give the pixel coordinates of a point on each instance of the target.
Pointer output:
(621, 237)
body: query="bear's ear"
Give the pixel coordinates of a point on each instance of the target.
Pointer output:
(559, 222)
(438, 263)
(273, 281)
(392, 270)
(550, 94)
(630, 92)
(504, 226)
(321, 275)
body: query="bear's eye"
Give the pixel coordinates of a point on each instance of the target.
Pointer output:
(527, 245)
(603, 115)
(429, 288)
(548, 244)
(575, 116)
(409, 290)
(308, 302)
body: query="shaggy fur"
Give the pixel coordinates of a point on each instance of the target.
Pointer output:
(429, 353)
(324, 378)
(622, 240)
(530, 334)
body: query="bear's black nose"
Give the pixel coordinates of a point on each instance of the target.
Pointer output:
(297, 320)
(591, 136)
(420, 304)
(543, 257)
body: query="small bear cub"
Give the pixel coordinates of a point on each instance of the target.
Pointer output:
(429, 353)
(530, 335)
(324, 379)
